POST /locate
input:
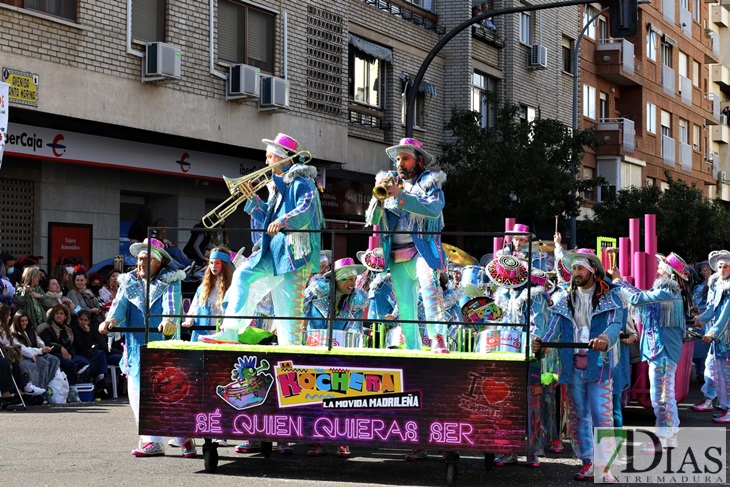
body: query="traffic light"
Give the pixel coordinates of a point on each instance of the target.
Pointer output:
(624, 17)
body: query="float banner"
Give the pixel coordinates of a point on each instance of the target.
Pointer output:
(388, 401)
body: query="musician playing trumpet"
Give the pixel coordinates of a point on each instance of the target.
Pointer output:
(284, 259)
(414, 203)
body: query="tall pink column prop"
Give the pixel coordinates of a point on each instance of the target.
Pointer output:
(497, 245)
(374, 241)
(650, 245)
(634, 235)
(509, 224)
(624, 262)
(639, 262)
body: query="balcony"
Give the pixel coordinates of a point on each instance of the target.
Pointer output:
(668, 151)
(668, 80)
(685, 157)
(712, 105)
(721, 76)
(712, 41)
(685, 90)
(721, 133)
(487, 35)
(685, 21)
(719, 16)
(614, 59)
(617, 136)
(410, 12)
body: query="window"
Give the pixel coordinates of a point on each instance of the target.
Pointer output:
(683, 67)
(60, 8)
(602, 29)
(667, 54)
(588, 13)
(630, 175)
(245, 35)
(588, 174)
(527, 114)
(148, 20)
(589, 101)
(526, 28)
(365, 79)
(683, 131)
(696, 74)
(418, 120)
(651, 118)
(480, 102)
(651, 45)
(696, 136)
(603, 106)
(424, 4)
(696, 10)
(567, 54)
(666, 124)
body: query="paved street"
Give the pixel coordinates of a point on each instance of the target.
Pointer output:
(89, 444)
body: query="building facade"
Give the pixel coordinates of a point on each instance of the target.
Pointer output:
(650, 98)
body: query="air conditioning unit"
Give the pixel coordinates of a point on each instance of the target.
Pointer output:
(161, 62)
(538, 57)
(274, 93)
(243, 82)
(722, 176)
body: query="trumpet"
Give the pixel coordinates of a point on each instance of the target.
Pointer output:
(245, 188)
(380, 192)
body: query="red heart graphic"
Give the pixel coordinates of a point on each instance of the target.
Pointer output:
(494, 391)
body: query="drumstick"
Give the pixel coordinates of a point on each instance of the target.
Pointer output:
(556, 223)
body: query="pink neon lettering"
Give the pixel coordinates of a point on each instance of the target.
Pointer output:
(363, 429)
(451, 433)
(208, 422)
(268, 424)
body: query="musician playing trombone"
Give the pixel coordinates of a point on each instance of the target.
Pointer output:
(410, 199)
(284, 259)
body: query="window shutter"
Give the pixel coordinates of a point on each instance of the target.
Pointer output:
(228, 32)
(259, 38)
(148, 20)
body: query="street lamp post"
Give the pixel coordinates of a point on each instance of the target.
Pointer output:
(573, 237)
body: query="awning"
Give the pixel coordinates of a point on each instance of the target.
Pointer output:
(374, 50)
(425, 86)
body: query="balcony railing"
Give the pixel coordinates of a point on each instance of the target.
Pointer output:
(668, 151)
(626, 49)
(409, 12)
(668, 80)
(668, 11)
(685, 21)
(685, 157)
(625, 131)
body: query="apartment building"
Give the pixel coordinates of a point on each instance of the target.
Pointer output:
(650, 97)
(720, 86)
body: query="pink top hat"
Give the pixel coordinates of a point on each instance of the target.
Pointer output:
(373, 259)
(341, 266)
(283, 142)
(541, 278)
(408, 143)
(507, 271)
(520, 228)
(673, 263)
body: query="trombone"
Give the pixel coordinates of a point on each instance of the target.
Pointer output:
(245, 188)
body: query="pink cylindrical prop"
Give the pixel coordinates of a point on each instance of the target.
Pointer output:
(639, 262)
(635, 235)
(497, 245)
(624, 256)
(509, 224)
(650, 245)
(374, 241)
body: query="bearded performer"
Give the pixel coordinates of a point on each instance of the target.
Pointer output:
(414, 203)
(285, 259)
(128, 310)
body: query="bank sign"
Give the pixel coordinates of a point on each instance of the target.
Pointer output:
(76, 148)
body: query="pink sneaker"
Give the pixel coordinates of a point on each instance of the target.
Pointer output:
(343, 451)
(317, 450)
(149, 450)
(703, 405)
(416, 455)
(556, 446)
(532, 461)
(438, 345)
(586, 472)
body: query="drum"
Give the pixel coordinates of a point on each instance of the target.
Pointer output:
(487, 341)
(474, 281)
(340, 338)
(480, 310)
